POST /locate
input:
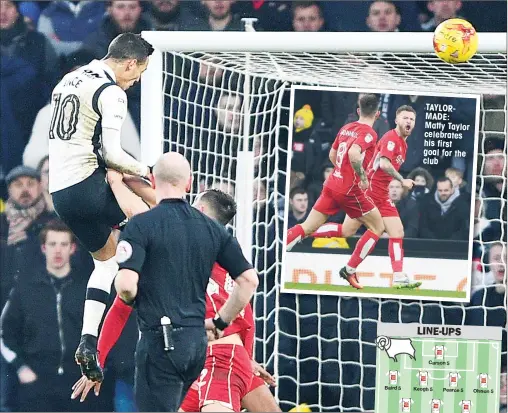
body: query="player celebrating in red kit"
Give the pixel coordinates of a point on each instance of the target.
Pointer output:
(345, 188)
(390, 154)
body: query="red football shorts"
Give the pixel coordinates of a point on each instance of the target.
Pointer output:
(385, 205)
(355, 205)
(225, 379)
(256, 382)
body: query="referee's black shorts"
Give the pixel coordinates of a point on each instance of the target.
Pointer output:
(90, 209)
(163, 377)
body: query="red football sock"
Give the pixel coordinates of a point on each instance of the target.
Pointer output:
(115, 321)
(364, 247)
(328, 230)
(396, 253)
(294, 235)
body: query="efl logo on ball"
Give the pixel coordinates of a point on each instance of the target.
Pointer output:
(455, 41)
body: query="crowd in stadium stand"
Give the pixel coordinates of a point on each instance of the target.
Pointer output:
(41, 41)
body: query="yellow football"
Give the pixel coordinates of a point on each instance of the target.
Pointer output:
(455, 41)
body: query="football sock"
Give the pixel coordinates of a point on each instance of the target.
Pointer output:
(97, 294)
(115, 321)
(364, 247)
(396, 254)
(294, 236)
(328, 230)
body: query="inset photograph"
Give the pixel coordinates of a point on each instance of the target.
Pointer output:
(380, 198)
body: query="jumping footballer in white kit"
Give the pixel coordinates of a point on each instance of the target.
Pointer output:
(88, 109)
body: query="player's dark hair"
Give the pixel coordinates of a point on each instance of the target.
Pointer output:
(405, 108)
(223, 205)
(297, 190)
(445, 179)
(57, 226)
(305, 5)
(129, 46)
(369, 104)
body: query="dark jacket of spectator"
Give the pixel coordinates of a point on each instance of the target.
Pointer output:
(306, 152)
(409, 212)
(452, 224)
(98, 41)
(177, 19)
(67, 24)
(28, 72)
(272, 15)
(31, 328)
(41, 328)
(17, 258)
(495, 211)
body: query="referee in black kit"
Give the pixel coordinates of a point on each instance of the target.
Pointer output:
(166, 257)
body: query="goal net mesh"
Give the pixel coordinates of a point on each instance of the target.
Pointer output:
(321, 348)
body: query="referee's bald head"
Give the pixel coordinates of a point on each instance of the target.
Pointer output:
(172, 170)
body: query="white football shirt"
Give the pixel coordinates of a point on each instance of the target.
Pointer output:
(84, 101)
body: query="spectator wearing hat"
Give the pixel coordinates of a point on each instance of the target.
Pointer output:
(25, 215)
(306, 146)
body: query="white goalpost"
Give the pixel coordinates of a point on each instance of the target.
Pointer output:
(222, 100)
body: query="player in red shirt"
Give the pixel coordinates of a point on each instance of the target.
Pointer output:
(345, 188)
(229, 371)
(227, 376)
(390, 154)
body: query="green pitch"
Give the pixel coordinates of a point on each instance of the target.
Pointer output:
(375, 290)
(445, 376)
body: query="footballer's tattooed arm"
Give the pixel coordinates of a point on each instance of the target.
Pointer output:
(356, 160)
(386, 166)
(357, 166)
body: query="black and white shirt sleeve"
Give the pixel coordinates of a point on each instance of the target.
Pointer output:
(131, 250)
(231, 256)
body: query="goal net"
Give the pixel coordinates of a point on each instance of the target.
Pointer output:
(222, 100)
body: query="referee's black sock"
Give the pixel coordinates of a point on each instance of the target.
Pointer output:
(97, 294)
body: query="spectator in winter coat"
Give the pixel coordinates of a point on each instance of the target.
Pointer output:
(169, 15)
(444, 213)
(306, 147)
(67, 23)
(28, 71)
(41, 327)
(25, 215)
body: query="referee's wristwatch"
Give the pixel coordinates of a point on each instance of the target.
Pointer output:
(219, 322)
